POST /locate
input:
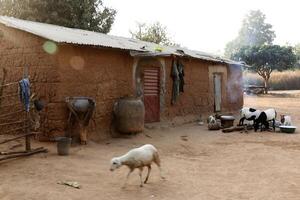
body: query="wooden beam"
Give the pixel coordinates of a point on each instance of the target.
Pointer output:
(35, 151)
(15, 138)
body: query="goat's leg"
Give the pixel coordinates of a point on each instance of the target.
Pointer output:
(127, 177)
(149, 170)
(140, 174)
(241, 122)
(255, 126)
(274, 125)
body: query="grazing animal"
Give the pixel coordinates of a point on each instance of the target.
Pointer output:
(249, 114)
(286, 120)
(138, 158)
(264, 118)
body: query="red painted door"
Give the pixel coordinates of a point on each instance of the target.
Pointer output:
(151, 94)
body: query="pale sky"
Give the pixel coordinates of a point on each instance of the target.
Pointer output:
(207, 25)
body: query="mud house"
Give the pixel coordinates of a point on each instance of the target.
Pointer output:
(71, 62)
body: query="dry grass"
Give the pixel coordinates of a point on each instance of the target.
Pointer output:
(286, 80)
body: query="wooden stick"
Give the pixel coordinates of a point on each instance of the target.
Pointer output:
(15, 146)
(16, 129)
(12, 104)
(17, 152)
(15, 138)
(3, 80)
(11, 123)
(27, 122)
(12, 113)
(9, 84)
(227, 130)
(24, 154)
(11, 95)
(11, 152)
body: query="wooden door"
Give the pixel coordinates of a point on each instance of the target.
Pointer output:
(151, 94)
(218, 91)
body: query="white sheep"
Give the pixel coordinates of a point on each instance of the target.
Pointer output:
(249, 114)
(286, 120)
(138, 158)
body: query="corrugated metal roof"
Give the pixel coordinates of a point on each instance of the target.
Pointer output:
(61, 34)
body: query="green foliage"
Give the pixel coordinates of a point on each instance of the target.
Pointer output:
(83, 14)
(267, 58)
(297, 52)
(155, 32)
(254, 32)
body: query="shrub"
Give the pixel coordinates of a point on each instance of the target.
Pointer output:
(286, 80)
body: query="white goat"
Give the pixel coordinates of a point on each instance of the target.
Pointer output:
(286, 120)
(138, 158)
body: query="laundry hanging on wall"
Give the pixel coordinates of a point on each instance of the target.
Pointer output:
(177, 75)
(180, 69)
(24, 85)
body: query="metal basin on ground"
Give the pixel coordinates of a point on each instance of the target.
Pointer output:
(287, 129)
(227, 121)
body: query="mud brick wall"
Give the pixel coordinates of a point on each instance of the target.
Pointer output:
(103, 74)
(17, 50)
(198, 98)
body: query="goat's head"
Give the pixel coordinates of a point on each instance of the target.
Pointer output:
(115, 163)
(282, 118)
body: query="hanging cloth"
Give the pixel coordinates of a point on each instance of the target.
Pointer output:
(180, 68)
(176, 80)
(24, 85)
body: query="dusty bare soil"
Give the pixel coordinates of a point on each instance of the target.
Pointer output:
(206, 165)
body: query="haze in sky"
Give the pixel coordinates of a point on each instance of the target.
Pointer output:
(207, 25)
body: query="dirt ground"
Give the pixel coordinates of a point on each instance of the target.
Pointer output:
(205, 165)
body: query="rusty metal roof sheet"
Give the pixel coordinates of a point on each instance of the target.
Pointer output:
(61, 34)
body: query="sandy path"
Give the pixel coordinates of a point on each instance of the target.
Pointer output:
(209, 165)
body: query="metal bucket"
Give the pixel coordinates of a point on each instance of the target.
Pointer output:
(63, 145)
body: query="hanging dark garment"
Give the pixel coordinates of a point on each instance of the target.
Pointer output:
(24, 85)
(176, 80)
(180, 68)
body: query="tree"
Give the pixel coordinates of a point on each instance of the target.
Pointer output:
(155, 32)
(254, 32)
(297, 52)
(267, 58)
(83, 14)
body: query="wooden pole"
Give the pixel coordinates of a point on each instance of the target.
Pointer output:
(40, 150)
(15, 138)
(28, 135)
(27, 122)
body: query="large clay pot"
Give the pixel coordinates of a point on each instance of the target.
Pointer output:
(129, 115)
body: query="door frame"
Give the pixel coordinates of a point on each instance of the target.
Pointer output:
(138, 65)
(215, 91)
(223, 70)
(157, 108)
